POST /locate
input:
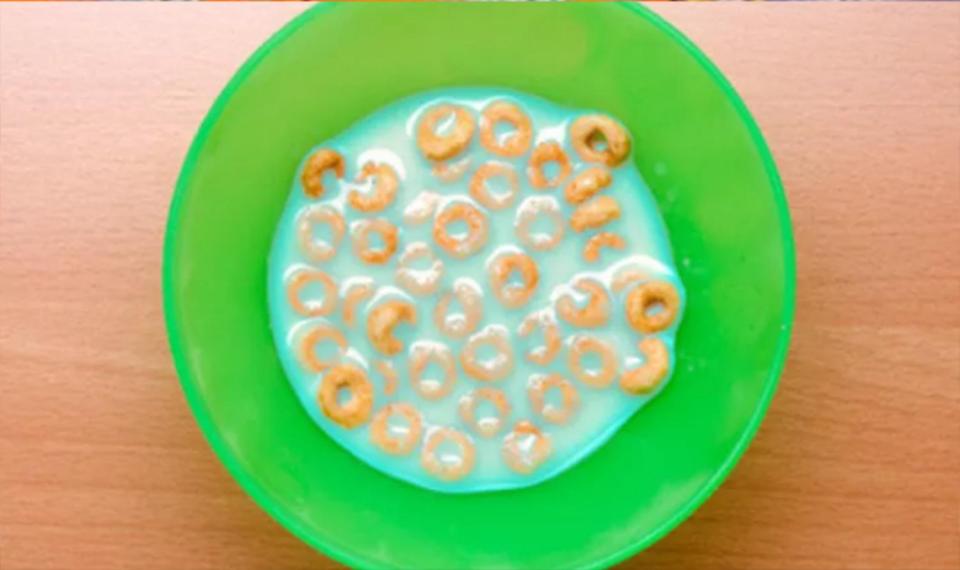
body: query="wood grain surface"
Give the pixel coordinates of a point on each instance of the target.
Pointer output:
(858, 462)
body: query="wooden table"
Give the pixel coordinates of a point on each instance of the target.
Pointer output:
(857, 465)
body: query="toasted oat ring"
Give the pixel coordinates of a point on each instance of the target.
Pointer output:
(443, 471)
(389, 376)
(356, 411)
(646, 377)
(585, 132)
(627, 276)
(591, 251)
(441, 147)
(517, 456)
(384, 188)
(421, 354)
(311, 308)
(586, 184)
(537, 392)
(461, 247)
(313, 337)
(471, 299)
(481, 193)
(496, 368)
(318, 163)
(361, 240)
(490, 426)
(543, 153)
(582, 345)
(594, 313)
(359, 289)
(518, 142)
(380, 429)
(513, 296)
(595, 213)
(419, 281)
(382, 320)
(320, 251)
(644, 297)
(421, 208)
(527, 214)
(542, 355)
(450, 171)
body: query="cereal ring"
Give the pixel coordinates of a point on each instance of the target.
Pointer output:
(461, 246)
(489, 370)
(527, 215)
(542, 355)
(521, 457)
(419, 281)
(318, 163)
(590, 131)
(450, 171)
(544, 153)
(471, 299)
(652, 295)
(594, 313)
(361, 240)
(421, 208)
(485, 427)
(356, 410)
(311, 308)
(537, 392)
(586, 184)
(518, 141)
(356, 290)
(627, 276)
(384, 188)
(320, 250)
(441, 147)
(513, 296)
(595, 213)
(382, 320)
(582, 345)
(482, 194)
(313, 337)
(437, 467)
(591, 251)
(401, 444)
(422, 353)
(646, 377)
(389, 376)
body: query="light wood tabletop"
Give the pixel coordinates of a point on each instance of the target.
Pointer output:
(857, 464)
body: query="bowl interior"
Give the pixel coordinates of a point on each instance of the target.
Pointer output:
(698, 150)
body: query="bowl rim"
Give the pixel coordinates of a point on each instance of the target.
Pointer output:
(354, 559)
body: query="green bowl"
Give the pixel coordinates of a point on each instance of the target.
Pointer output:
(697, 147)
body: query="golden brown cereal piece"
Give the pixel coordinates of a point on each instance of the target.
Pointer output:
(496, 368)
(441, 147)
(545, 321)
(392, 444)
(527, 214)
(476, 238)
(361, 241)
(643, 298)
(537, 392)
(356, 411)
(521, 458)
(519, 140)
(594, 313)
(389, 376)
(450, 171)
(360, 289)
(582, 345)
(591, 251)
(383, 319)
(595, 213)
(646, 377)
(627, 276)
(320, 162)
(419, 281)
(384, 188)
(421, 208)
(309, 341)
(544, 153)
(590, 131)
(482, 194)
(586, 184)
(421, 355)
(471, 299)
(320, 214)
(311, 308)
(439, 469)
(513, 296)
(488, 427)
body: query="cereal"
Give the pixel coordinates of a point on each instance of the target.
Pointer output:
(356, 410)
(485, 427)
(419, 281)
(594, 313)
(461, 246)
(421, 208)
(389, 376)
(422, 353)
(595, 213)
(451, 171)
(626, 276)
(436, 146)
(646, 377)
(318, 164)
(308, 346)
(480, 192)
(383, 319)
(542, 355)
(384, 188)
(441, 469)
(543, 154)
(493, 369)
(357, 290)
(591, 251)
(642, 302)
(525, 458)
(582, 345)
(518, 141)
(468, 294)
(320, 214)
(589, 131)
(511, 295)
(311, 308)
(527, 214)
(401, 444)
(537, 392)
(361, 241)
(586, 184)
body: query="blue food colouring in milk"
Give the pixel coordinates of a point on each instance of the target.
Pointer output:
(472, 289)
